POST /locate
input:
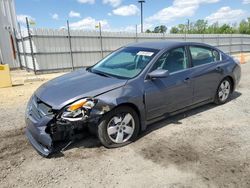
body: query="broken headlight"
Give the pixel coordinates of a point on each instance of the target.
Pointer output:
(79, 110)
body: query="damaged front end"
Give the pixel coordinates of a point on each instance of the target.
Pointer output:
(47, 127)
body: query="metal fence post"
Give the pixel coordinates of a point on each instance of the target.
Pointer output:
(241, 43)
(230, 44)
(100, 33)
(31, 46)
(218, 40)
(136, 34)
(24, 51)
(70, 47)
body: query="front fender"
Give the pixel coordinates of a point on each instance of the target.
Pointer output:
(126, 95)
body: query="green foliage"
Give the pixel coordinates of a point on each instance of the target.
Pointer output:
(202, 27)
(244, 26)
(158, 29)
(174, 30)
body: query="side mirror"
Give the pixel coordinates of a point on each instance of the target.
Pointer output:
(158, 73)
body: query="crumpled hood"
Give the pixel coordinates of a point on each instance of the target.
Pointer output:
(75, 85)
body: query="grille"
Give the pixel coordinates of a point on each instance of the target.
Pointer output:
(38, 108)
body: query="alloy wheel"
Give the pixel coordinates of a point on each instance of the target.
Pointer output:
(121, 127)
(224, 90)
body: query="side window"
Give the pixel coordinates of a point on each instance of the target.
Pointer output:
(173, 60)
(202, 55)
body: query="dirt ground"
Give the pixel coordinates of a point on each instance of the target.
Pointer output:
(205, 147)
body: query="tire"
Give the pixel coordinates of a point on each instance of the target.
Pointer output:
(223, 92)
(120, 123)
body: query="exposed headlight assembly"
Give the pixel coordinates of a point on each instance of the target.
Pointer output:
(79, 110)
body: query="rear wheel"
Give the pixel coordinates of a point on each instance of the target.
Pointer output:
(223, 91)
(119, 127)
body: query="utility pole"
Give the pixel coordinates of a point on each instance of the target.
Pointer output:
(188, 25)
(141, 2)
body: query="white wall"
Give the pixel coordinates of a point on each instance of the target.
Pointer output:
(7, 25)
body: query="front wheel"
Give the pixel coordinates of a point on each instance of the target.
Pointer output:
(223, 91)
(118, 127)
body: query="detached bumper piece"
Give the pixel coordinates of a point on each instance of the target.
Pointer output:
(39, 139)
(36, 120)
(42, 150)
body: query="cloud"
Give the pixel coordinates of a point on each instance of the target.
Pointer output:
(55, 16)
(89, 23)
(86, 1)
(246, 1)
(109, 14)
(127, 10)
(73, 14)
(226, 15)
(179, 9)
(21, 18)
(113, 3)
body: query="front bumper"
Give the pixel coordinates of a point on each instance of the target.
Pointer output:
(47, 134)
(39, 139)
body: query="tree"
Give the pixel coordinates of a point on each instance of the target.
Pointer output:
(160, 29)
(244, 27)
(181, 28)
(200, 26)
(174, 30)
(225, 28)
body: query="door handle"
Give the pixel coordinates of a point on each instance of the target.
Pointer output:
(186, 80)
(218, 69)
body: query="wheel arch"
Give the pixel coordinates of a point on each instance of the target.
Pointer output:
(133, 106)
(232, 82)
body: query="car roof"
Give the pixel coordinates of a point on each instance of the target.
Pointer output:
(164, 44)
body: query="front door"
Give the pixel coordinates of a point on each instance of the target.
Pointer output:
(165, 95)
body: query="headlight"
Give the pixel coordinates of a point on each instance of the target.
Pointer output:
(79, 110)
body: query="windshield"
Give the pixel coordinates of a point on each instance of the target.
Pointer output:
(125, 63)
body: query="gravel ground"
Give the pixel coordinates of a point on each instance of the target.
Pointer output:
(205, 147)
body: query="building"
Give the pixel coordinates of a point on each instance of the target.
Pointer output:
(8, 23)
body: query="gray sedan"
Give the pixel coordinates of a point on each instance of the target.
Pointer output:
(126, 91)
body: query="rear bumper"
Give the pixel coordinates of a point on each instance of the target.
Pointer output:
(236, 76)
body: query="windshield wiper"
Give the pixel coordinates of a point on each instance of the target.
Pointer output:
(99, 73)
(102, 74)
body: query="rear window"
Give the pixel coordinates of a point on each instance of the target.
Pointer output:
(201, 55)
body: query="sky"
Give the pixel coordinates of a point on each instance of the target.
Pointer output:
(124, 15)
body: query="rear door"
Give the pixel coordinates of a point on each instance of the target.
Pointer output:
(206, 72)
(165, 95)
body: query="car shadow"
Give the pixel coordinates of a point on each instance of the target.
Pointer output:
(91, 141)
(88, 141)
(176, 119)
